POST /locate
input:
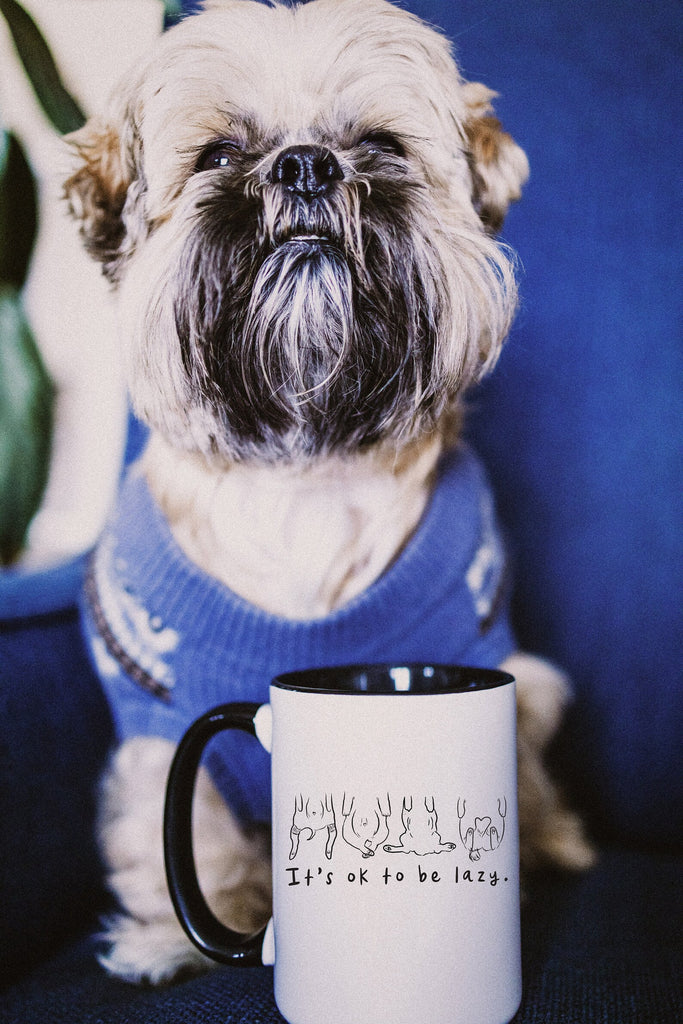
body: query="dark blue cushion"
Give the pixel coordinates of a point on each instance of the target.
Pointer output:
(55, 733)
(593, 950)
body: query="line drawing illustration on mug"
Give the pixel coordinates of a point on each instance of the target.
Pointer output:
(420, 834)
(482, 836)
(313, 815)
(366, 825)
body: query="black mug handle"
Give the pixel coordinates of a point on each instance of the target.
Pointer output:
(204, 929)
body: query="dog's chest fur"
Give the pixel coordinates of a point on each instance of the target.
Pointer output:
(297, 541)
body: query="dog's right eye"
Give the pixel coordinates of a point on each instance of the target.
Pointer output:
(217, 156)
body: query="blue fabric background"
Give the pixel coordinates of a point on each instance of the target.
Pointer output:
(581, 423)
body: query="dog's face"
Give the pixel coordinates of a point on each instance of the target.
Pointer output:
(296, 206)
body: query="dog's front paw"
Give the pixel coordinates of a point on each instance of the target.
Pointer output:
(550, 833)
(153, 952)
(563, 842)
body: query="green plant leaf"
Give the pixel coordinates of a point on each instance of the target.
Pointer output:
(173, 9)
(18, 211)
(26, 405)
(58, 104)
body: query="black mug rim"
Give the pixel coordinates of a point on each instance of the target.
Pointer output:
(376, 679)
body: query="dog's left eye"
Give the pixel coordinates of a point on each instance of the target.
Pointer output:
(382, 142)
(217, 156)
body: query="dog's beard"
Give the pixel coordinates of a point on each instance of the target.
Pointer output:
(306, 328)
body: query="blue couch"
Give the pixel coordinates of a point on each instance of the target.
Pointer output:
(580, 427)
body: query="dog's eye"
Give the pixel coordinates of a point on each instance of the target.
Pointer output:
(382, 142)
(217, 156)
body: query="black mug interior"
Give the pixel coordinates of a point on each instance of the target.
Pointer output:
(411, 678)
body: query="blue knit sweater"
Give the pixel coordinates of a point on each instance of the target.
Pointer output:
(170, 642)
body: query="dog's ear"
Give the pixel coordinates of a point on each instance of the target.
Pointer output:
(104, 171)
(498, 165)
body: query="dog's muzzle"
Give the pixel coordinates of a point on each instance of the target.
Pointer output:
(306, 175)
(307, 310)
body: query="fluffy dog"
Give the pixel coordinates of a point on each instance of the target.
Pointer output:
(297, 207)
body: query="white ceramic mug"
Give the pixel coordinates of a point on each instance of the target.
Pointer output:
(395, 845)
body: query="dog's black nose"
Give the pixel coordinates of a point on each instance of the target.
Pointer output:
(307, 170)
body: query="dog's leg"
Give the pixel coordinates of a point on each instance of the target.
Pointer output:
(549, 832)
(331, 837)
(146, 941)
(294, 834)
